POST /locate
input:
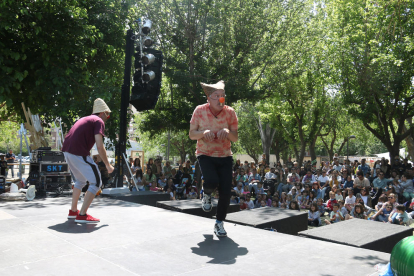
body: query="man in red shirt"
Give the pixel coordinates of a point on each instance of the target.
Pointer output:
(214, 126)
(78, 142)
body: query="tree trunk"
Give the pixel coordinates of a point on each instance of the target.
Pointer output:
(266, 134)
(394, 152)
(410, 147)
(182, 156)
(312, 149)
(409, 140)
(285, 157)
(277, 151)
(192, 157)
(301, 155)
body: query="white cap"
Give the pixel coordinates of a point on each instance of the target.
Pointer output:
(100, 106)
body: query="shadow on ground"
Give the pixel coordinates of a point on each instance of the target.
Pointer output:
(222, 251)
(72, 227)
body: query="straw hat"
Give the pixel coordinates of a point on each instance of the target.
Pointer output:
(210, 88)
(100, 106)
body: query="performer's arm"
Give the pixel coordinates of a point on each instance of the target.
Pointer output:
(196, 134)
(102, 152)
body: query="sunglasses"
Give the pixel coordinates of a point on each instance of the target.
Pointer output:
(390, 197)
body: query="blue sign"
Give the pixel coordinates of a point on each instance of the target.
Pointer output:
(54, 168)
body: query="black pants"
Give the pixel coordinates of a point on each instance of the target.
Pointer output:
(217, 173)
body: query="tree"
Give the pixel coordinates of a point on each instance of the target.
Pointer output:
(249, 137)
(299, 113)
(212, 40)
(59, 56)
(372, 53)
(152, 144)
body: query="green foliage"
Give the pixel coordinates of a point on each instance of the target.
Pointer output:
(371, 52)
(249, 138)
(10, 139)
(180, 143)
(59, 56)
(212, 40)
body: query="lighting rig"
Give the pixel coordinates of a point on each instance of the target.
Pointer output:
(146, 88)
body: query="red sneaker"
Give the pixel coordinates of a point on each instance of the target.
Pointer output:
(73, 214)
(86, 219)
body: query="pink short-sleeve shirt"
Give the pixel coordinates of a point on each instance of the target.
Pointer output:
(204, 119)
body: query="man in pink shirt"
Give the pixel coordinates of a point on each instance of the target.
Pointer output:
(214, 126)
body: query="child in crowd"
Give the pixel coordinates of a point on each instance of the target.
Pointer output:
(283, 198)
(342, 208)
(233, 199)
(338, 194)
(312, 197)
(162, 181)
(335, 216)
(193, 195)
(169, 191)
(349, 183)
(383, 213)
(359, 212)
(314, 217)
(268, 199)
(138, 180)
(305, 200)
(249, 202)
(381, 201)
(246, 190)
(283, 205)
(331, 201)
(350, 200)
(317, 189)
(243, 205)
(259, 188)
(321, 206)
(257, 201)
(299, 198)
(289, 199)
(293, 205)
(154, 187)
(263, 204)
(274, 204)
(400, 216)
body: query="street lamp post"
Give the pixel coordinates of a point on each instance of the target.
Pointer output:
(347, 147)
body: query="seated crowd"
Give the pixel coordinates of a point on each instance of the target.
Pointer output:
(177, 182)
(340, 191)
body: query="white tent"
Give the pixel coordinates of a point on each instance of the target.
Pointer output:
(386, 155)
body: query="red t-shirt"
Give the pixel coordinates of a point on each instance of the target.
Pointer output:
(204, 119)
(81, 137)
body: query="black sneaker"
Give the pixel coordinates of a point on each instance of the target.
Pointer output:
(206, 203)
(219, 230)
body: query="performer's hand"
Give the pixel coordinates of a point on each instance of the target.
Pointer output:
(110, 168)
(208, 135)
(222, 134)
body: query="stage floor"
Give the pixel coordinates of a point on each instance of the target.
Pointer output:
(133, 239)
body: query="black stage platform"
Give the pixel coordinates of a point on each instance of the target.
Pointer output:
(144, 197)
(284, 221)
(361, 233)
(193, 207)
(36, 239)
